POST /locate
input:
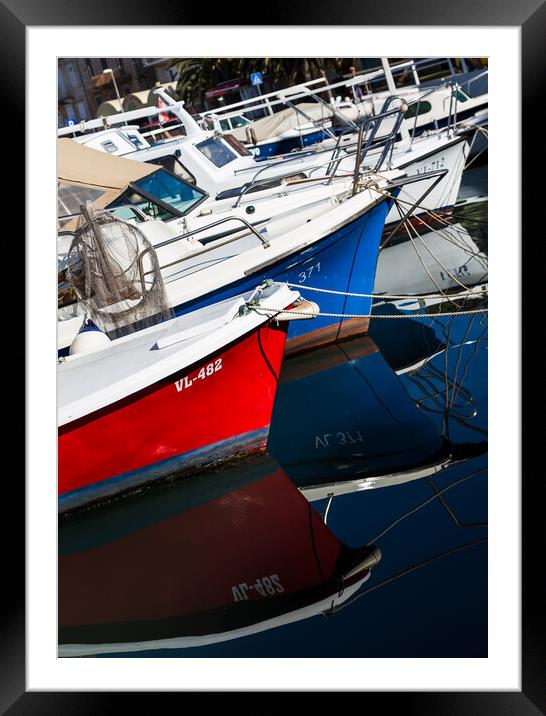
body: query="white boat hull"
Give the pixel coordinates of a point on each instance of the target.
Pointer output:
(444, 194)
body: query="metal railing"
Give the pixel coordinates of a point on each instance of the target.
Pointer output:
(214, 244)
(362, 149)
(468, 82)
(453, 100)
(254, 182)
(332, 163)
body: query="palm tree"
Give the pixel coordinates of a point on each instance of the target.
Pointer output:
(196, 76)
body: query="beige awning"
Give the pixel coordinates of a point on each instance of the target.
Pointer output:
(286, 119)
(86, 174)
(83, 166)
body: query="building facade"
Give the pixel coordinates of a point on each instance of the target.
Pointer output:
(83, 86)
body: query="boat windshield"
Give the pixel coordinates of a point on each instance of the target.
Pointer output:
(172, 190)
(160, 195)
(216, 152)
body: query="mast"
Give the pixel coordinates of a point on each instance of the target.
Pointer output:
(392, 89)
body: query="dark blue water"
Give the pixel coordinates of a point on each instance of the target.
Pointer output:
(365, 435)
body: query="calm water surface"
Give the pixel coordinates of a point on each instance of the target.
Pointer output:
(365, 437)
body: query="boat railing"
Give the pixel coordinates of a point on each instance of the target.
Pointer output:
(162, 130)
(352, 126)
(301, 154)
(254, 184)
(471, 80)
(213, 244)
(452, 115)
(264, 181)
(417, 68)
(109, 121)
(371, 140)
(264, 102)
(332, 163)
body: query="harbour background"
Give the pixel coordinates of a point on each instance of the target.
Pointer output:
(449, 585)
(428, 595)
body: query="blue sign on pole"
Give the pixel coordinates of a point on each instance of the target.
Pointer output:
(256, 78)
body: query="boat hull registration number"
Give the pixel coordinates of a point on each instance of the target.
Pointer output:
(205, 372)
(432, 167)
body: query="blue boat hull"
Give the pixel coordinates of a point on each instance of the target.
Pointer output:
(345, 260)
(290, 144)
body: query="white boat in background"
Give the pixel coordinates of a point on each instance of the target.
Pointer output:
(203, 259)
(223, 167)
(434, 105)
(314, 111)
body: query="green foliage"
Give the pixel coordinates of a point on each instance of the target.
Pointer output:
(196, 76)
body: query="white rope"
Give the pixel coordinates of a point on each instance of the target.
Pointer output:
(407, 226)
(463, 294)
(418, 217)
(315, 314)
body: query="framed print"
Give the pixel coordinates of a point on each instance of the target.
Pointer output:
(469, 640)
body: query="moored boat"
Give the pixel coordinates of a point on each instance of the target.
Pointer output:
(332, 243)
(223, 167)
(171, 398)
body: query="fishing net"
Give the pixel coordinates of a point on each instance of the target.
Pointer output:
(114, 271)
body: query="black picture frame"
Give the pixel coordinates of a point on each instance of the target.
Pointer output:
(530, 16)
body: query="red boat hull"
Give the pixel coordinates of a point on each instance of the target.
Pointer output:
(208, 412)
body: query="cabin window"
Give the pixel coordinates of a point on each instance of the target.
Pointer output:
(423, 106)
(70, 197)
(239, 122)
(459, 96)
(216, 152)
(224, 125)
(126, 213)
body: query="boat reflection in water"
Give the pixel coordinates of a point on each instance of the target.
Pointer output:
(201, 561)
(358, 427)
(428, 262)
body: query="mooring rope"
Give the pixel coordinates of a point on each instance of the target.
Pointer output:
(315, 314)
(470, 293)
